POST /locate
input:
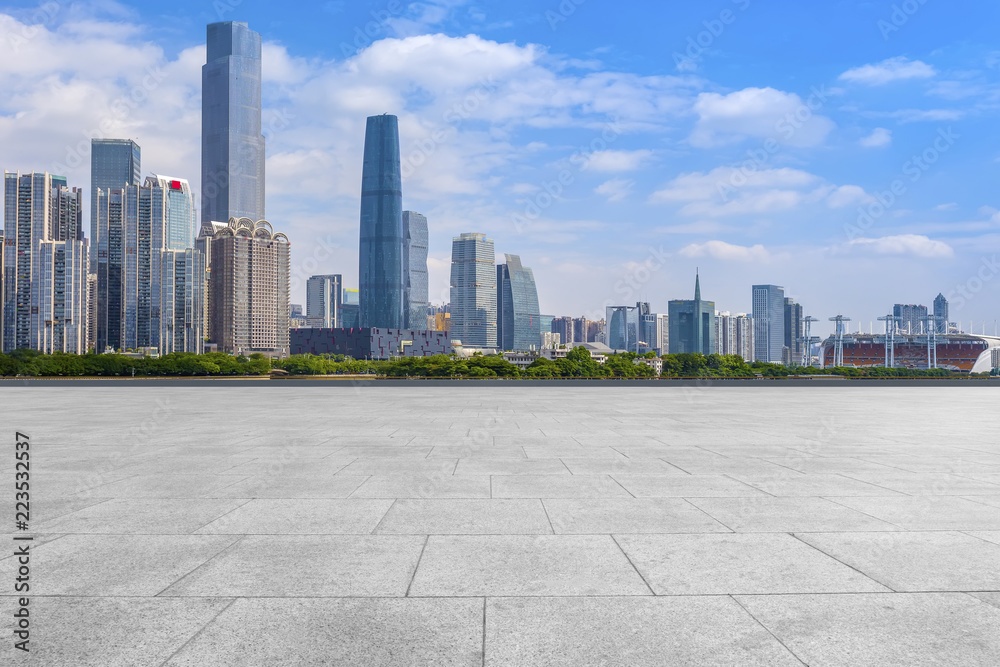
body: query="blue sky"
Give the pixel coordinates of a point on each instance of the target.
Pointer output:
(844, 149)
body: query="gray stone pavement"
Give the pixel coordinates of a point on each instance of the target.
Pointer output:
(506, 525)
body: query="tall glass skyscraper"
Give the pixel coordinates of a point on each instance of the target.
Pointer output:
(769, 323)
(114, 163)
(323, 300)
(232, 146)
(181, 213)
(518, 319)
(941, 312)
(382, 280)
(415, 232)
(473, 291)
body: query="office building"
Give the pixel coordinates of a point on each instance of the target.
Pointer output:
(59, 297)
(350, 310)
(519, 326)
(565, 328)
(181, 319)
(692, 324)
(912, 318)
(45, 264)
(941, 313)
(248, 289)
(66, 219)
(627, 327)
(91, 309)
(370, 343)
(232, 146)
(382, 264)
(324, 301)
(415, 255)
(769, 322)
(181, 214)
(40, 209)
(473, 291)
(650, 333)
(114, 163)
(734, 334)
(793, 333)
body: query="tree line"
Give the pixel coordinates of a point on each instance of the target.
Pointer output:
(578, 363)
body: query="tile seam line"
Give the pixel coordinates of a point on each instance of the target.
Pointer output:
(181, 578)
(624, 553)
(862, 573)
(767, 630)
(417, 566)
(378, 525)
(833, 499)
(224, 514)
(706, 513)
(198, 633)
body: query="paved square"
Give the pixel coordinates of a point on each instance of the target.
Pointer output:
(501, 524)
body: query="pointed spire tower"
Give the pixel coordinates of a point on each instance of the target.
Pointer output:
(697, 286)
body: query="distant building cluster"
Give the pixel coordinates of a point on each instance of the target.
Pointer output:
(144, 280)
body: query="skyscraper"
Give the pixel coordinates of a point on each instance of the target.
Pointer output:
(769, 323)
(323, 300)
(692, 324)
(382, 264)
(912, 318)
(248, 288)
(473, 291)
(181, 213)
(182, 301)
(415, 255)
(114, 163)
(518, 320)
(66, 222)
(627, 326)
(45, 275)
(793, 332)
(941, 313)
(232, 146)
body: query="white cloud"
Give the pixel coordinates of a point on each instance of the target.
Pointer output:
(887, 71)
(612, 160)
(879, 138)
(913, 245)
(847, 195)
(727, 252)
(759, 113)
(616, 189)
(728, 191)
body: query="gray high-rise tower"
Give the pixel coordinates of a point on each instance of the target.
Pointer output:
(114, 163)
(232, 146)
(473, 291)
(415, 232)
(518, 319)
(383, 264)
(768, 322)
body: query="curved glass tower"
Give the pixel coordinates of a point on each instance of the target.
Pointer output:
(382, 280)
(415, 231)
(518, 319)
(232, 146)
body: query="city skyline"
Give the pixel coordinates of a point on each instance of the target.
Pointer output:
(586, 248)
